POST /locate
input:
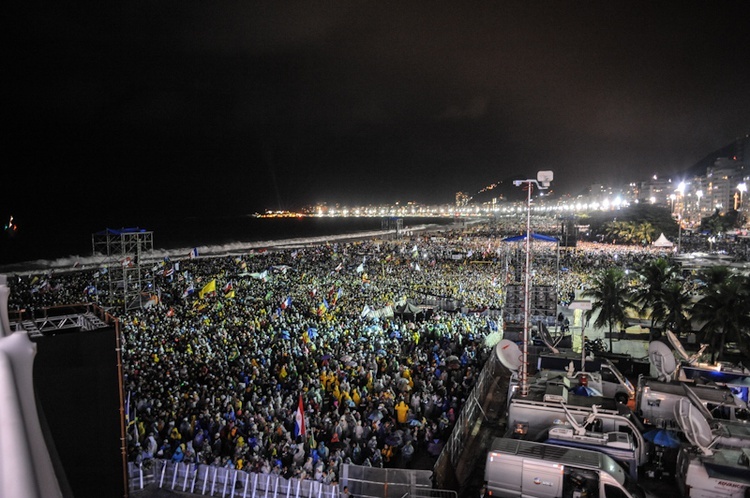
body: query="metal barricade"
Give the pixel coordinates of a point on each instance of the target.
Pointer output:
(226, 482)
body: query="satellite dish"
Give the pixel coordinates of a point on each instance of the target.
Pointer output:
(695, 426)
(677, 345)
(697, 403)
(662, 359)
(509, 354)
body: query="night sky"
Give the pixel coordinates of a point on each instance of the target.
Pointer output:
(190, 107)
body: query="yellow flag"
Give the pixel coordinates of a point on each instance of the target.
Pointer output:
(209, 287)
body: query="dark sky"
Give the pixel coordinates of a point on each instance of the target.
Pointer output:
(241, 106)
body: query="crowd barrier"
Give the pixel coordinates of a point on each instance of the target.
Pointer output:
(228, 483)
(206, 480)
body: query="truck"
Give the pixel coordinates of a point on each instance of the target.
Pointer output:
(656, 401)
(533, 416)
(721, 374)
(706, 468)
(613, 383)
(516, 468)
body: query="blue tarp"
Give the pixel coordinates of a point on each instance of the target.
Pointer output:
(535, 236)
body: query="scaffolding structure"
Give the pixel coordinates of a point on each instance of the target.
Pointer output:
(127, 251)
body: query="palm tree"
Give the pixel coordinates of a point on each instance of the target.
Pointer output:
(611, 298)
(654, 277)
(724, 309)
(677, 301)
(645, 233)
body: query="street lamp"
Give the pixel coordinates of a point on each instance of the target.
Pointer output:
(681, 190)
(543, 180)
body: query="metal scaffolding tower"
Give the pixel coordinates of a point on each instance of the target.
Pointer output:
(127, 251)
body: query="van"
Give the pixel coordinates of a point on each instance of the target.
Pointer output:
(697, 477)
(516, 468)
(614, 384)
(656, 401)
(533, 419)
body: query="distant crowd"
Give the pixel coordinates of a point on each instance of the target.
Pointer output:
(224, 350)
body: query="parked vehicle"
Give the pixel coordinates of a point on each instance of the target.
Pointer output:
(704, 468)
(736, 379)
(618, 445)
(533, 416)
(613, 383)
(516, 468)
(656, 401)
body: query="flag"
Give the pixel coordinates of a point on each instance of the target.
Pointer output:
(360, 268)
(193, 253)
(230, 294)
(365, 311)
(286, 302)
(299, 419)
(208, 288)
(190, 289)
(168, 272)
(228, 287)
(128, 418)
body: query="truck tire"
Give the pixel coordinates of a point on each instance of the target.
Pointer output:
(621, 398)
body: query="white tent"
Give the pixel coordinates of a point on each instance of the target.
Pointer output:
(662, 241)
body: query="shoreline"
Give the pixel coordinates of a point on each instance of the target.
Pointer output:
(75, 263)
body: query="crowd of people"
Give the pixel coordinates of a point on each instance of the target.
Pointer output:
(225, 351)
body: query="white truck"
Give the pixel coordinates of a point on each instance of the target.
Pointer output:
(656, 401)
(613, 383)
(517, 468)
(706, 468)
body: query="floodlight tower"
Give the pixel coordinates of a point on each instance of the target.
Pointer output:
(543, 180)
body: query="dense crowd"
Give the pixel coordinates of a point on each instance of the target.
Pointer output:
(225, 349)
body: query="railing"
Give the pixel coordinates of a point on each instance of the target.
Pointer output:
(218, 481)
(363, 482)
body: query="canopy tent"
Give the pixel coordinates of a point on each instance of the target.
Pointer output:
(534, 236)
(662, 241)
(411, 310)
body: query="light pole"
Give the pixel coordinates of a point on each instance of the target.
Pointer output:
(543, 180)
(681, 190)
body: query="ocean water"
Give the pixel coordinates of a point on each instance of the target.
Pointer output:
(62, 245)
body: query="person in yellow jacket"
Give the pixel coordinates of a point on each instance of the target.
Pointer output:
(402, 409)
